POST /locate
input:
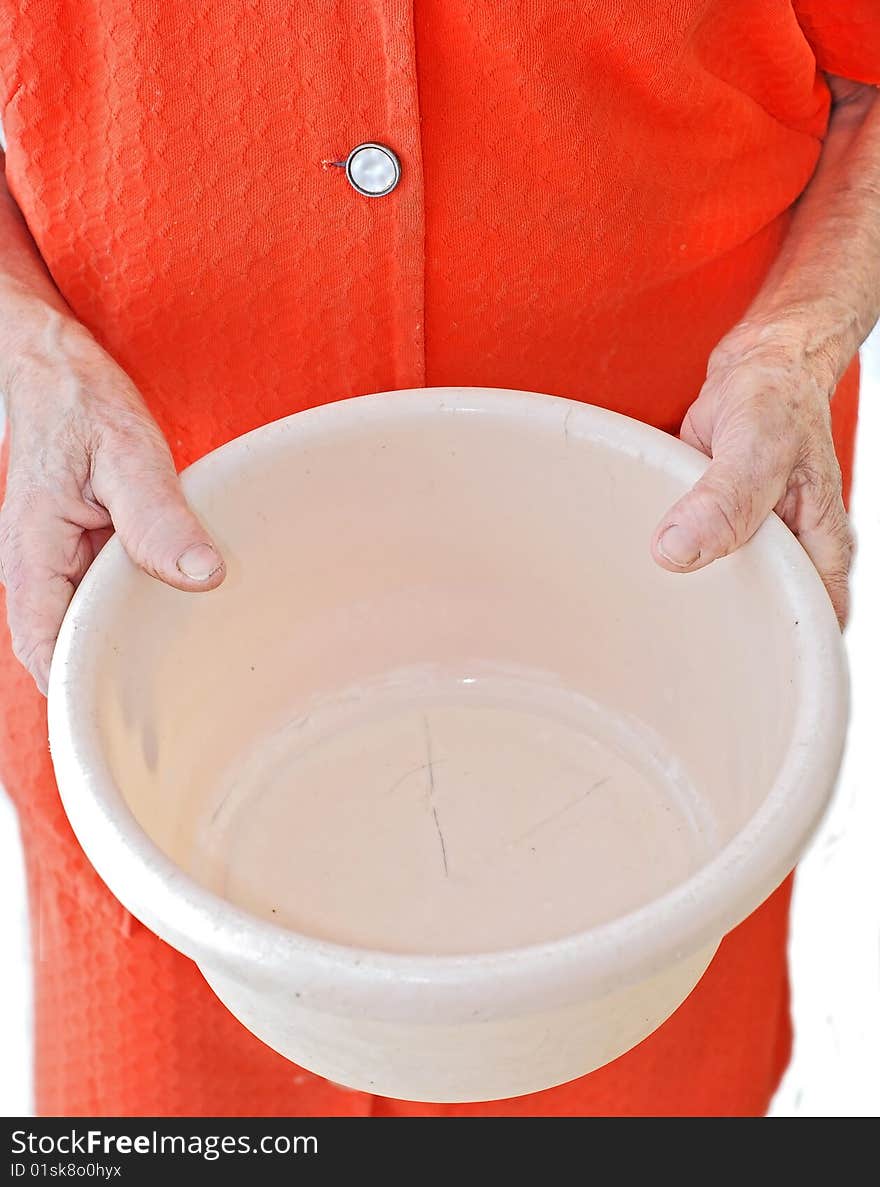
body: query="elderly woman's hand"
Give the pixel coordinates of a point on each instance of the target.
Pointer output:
(763, 417)
(86, 457)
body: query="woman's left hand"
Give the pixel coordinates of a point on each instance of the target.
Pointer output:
(763, 417)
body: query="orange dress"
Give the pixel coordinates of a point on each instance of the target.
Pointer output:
(590, 194)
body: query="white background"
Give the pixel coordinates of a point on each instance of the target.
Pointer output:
(835, 948)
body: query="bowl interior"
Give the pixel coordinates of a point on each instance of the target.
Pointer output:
(445, 702)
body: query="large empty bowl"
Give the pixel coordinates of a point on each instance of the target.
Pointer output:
(449, 790)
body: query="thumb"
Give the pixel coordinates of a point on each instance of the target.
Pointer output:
(153, 520)
(742, 485)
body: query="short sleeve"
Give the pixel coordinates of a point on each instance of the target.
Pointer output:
(845, 36)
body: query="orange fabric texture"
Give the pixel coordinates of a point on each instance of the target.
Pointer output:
(591, 194)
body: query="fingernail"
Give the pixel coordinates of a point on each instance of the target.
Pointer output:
(200, 562)
(679, 546)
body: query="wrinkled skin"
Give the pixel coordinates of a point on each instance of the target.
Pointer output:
(88, 460)
(763, 416)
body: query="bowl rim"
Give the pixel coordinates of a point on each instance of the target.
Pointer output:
(691, 916)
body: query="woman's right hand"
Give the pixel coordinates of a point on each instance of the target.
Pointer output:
(86, 457)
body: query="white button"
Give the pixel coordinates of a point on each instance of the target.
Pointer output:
(372, 169)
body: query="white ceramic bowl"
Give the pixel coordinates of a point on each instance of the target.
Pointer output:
(449, 790)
